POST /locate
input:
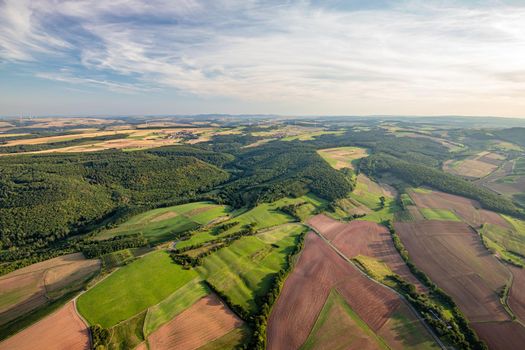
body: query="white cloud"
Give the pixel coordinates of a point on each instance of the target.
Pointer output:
(296, 52)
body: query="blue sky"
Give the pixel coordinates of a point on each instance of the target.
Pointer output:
(285, 57)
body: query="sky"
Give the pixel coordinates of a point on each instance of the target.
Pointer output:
(354, 57)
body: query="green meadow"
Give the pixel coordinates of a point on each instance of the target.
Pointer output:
(161, 224)
(132, 289)
(244, 269)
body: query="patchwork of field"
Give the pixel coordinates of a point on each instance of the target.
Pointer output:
(263, 216)
(365, 199)
(453, 206)
(243, 271)
(320, 270)
(132, 139)
(31, 287)
(478, 166)
(205, 321)
(363, 238)
(452, 255)
(136, 285)
(61, 330)
(342, 157)
(162, 224)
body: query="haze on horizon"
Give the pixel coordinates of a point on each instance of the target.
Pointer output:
(295, 57)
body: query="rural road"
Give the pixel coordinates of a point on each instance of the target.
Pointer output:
(438, 341)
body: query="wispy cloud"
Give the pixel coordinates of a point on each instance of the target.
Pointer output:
(296, 51)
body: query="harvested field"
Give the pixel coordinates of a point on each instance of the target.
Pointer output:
(319, 270)
(516, 299)
(26, 289)
(207, 320)
(477, 166)
(62, 330)
(501, 335)
(363, 238)
(467, 209)
(342, 157)
(452, 255)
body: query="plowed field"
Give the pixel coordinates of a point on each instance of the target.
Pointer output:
(62, 330)
(207, 320)
(363, 238)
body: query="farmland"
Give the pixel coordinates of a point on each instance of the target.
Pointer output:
(205, 321)
(32, 287)
(452, 255)
(244, 269)
(165, 223)
(477, 166)
(320, 270)
(61, 330)
(343, 157)
(363, 238)
(137, 285)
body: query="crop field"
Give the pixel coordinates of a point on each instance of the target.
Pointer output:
(318, 271)
(363, 238)
(477, 166)
(342, 157)
(243, 270)
(438, 214)
(173, 305)
(136, 285)
(452, 255)
(467, 209)
(339, 327)
(263, 216)
(162, 224)
(31, 287)
(61, 330)
(207, 320)
(501, 335)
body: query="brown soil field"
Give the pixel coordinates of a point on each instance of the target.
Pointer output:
(345, 155)
(501, 335)
(517, 293)
(62, 330)
(207, 320)
(196, 211)
(477, 166)
(364, 238)
(318, 270)
(340, 331)
(452, 255)
(30, 287)
(469, 210)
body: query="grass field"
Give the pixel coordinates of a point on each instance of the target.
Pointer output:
(244, 269)
(177, 302)
(161, 224)
(439, 214)
(342, 157)
(132, 289)
(263, 216)
(373, 267)
(511, 239)
(339, 327)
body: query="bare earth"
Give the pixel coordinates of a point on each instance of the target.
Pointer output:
(62, 330)
(207, 320)
(305, 291)
(364, 238)
(469, 210)
(30, 287)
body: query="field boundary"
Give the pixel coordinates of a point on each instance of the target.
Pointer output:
(411, 308)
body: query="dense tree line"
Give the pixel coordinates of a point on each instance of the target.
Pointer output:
(280, 169)
(95, 249)
(419, 175)
(514, 135)
(45, 198)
